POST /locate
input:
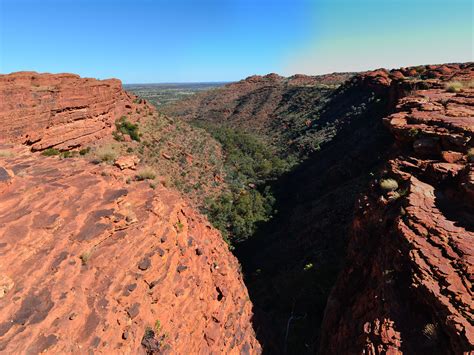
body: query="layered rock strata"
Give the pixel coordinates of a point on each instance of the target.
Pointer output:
(62, 111)
(407, 284)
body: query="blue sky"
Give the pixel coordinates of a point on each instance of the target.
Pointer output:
(142, 41)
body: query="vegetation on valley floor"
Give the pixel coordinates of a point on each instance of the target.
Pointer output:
(250, 165)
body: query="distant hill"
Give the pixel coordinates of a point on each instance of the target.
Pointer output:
(272, 105)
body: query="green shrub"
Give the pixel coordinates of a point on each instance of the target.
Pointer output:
(157, 326)
(388, 184)
(85, 151)
(50, 152)
(68, 154)
(248, 158)
(179, 226)
(430, 331)
(237, 214)
(126, 127)
(250, 163)
(413, 132)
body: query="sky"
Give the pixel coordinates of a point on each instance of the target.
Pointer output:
(150, 41)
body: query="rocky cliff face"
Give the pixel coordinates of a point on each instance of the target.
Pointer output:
(62, 111)
(407, 284)
(91, 259)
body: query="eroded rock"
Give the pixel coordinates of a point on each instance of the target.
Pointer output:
(62, 111)
(69, 210)
(407, 286)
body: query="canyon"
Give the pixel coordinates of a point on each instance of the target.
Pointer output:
(369, 248)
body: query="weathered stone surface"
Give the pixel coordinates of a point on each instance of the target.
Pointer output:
(76, 276)
(407, 284)
(63, 111)
(6, 284)
(127, 162)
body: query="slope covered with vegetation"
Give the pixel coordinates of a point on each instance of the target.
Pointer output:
(266, 126)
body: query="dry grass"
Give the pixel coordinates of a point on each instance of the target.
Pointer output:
(6, 154)
(454, 86)
(430, 331)
(388, 184)
(459, 86)
(146, 173)
(85, 256)
(107, 153)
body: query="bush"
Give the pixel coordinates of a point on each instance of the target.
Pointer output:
(126, 127)
(388, 184)
(237, 214)
(85, 256)
(106, 154)
(470, 155)
(454, 86)
(430, 331)
(50, 152)
(146, 174)
(85, 151)
(68, 154)
(248, 158)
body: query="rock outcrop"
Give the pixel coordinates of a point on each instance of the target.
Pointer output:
(92, 263)
(407, 284)
(62, 111)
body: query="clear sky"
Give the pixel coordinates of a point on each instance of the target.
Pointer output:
(142, 41)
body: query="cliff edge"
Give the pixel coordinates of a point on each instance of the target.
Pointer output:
(407, 284)
(93, 259)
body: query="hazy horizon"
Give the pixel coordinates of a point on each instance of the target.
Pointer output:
(185, 41)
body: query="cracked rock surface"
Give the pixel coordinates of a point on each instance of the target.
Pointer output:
(91, 263)
(407, 284)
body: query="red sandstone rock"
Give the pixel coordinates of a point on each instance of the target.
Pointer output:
(92, 264)
(62, 111)
(451, 157)
(407, 286)
(127, 162)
